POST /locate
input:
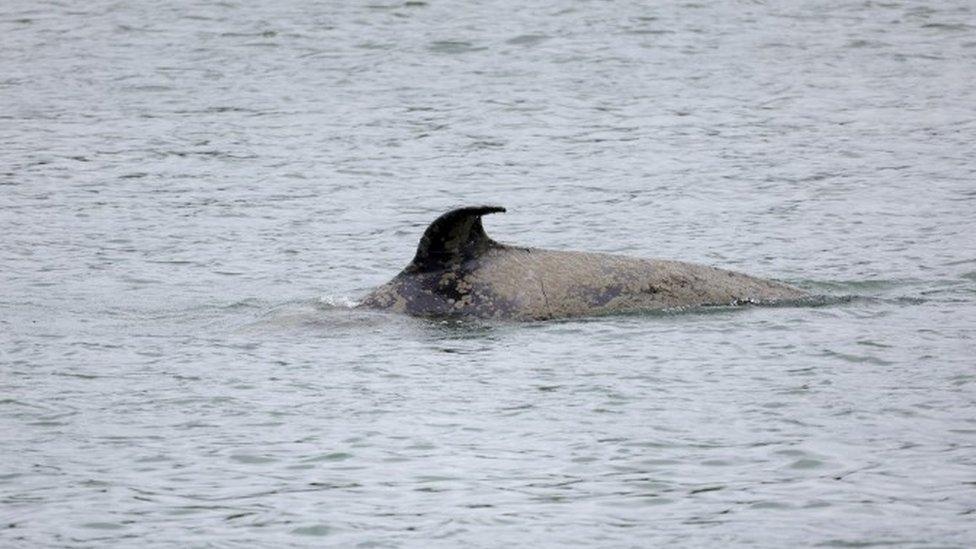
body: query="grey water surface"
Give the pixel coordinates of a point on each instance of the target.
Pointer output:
(193, 194)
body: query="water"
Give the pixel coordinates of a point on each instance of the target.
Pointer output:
(192, 195)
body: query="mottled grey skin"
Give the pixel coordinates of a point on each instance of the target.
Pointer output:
(460, 272)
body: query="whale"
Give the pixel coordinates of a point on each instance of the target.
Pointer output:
(459, 272)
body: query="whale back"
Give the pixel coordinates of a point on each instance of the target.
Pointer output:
(459, 271)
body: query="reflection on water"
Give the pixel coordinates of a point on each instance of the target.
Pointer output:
(194, 196)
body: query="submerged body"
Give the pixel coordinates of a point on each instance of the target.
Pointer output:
(459, 271)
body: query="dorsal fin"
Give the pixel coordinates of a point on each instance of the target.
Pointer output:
(454, 238)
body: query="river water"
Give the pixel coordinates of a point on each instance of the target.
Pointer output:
(192, 196)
